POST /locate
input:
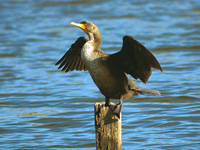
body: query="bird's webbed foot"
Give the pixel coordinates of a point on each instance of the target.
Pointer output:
(107, 101)
(117, 109)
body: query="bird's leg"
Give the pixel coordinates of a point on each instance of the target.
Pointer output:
(107, 101)
(118, 108)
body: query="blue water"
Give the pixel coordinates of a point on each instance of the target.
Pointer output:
(42, 108)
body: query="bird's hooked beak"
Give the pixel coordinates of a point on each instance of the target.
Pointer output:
(80, 25)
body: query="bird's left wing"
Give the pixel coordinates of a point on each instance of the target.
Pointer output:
(135, 59)
(72, 58)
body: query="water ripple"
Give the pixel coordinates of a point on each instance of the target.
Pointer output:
(42, 108)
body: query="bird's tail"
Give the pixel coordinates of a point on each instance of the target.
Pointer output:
(149, 91)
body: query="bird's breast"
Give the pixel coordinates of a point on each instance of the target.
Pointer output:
(103, 76)
(94, 59)
(88, 52)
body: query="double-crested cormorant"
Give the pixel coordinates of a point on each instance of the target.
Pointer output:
(109, 72)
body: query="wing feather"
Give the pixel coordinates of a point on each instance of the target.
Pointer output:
(71, 60)
(135, 59)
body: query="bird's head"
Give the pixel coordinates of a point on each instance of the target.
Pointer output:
(86, 26)
(89, 28)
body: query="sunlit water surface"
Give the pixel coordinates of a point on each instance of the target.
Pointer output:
(40, 107)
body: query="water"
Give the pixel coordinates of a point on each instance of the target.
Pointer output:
(41, 108)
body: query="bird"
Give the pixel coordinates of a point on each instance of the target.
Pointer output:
(111, 72)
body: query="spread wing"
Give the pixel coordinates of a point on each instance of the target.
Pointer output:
(72, 58)
(135, 59)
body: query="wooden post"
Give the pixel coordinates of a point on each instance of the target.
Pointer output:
(108, 128)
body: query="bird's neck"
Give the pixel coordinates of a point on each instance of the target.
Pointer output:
(96, 39)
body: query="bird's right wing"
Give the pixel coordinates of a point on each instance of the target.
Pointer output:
(72, 58)
(135, 59)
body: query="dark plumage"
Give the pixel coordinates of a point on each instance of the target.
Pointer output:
(109, 72)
